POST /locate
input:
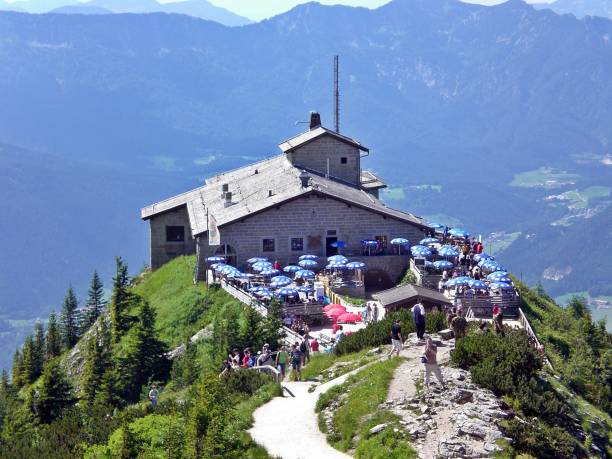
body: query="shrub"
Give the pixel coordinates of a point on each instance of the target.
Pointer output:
(541, 441)
(435, 321)
(245, 381)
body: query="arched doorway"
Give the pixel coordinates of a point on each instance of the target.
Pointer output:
(377, 279)
(228, 252)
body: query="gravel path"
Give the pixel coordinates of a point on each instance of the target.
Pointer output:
(288, 426)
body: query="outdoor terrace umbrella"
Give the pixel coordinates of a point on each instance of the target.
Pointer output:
(337, 259)
(456, 282)
(304, 274)
(448, 251)
(443, 264)
(261, 265)
(269, 272)
(307, 263)
(348, 317)
(217, 266)
(254, 260)
(308, 256)
(286, 292)
(215, 259)
(434, 225)
(280, 281)
(369, 244)
(336, 266)
(356, 265)
(458, 232)
(338, 244)
(262, 291)
(334, 313)
(478, 284)
(482, 256)
(420, 251)
(306, 289)
(291, 268)
(501, 286)
(491, 266)
(499, 276)
(333, 306)
(429, 240)
(400, 242)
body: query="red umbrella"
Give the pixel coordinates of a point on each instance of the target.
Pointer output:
(349, 317)
(333, 306)
(333, 313)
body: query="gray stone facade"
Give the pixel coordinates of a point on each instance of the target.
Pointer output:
(165, 248)
(344, 159)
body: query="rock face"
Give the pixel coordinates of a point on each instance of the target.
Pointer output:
(459, 422)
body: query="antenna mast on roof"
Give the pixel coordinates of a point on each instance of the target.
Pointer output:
(336, 95)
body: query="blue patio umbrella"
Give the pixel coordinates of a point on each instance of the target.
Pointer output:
(217, 266)
(286, 292)
(400, 241)
(337, 259)
(308, 257)
(261, 265)
(429, 240)
(338, 244)
(369, 242)
(307, 263)
(356, 265)
(499, 276)
(269, 272)
(215, 259)
(336, 266)
(225, 269)
(234, 273)
(262, 291)
(253, 289)
(280, 284)
(448, 251)
(482, 256)
(421, 251)
(306, 289)
(478, 284)
(435, 225)
(281, 278)
(456, 282)
(491, 266)
(429, 264)
(304, 274)
(501, 286)
(291, 268)
(254, 260)
(443, 264)
(458, 232)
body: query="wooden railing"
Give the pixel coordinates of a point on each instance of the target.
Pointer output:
(532, 334)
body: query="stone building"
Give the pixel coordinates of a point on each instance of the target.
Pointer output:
(304, 200)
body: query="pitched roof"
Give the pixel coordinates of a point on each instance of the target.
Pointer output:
(308, 136)
(406, 292)
(371, 181)
(262, 185)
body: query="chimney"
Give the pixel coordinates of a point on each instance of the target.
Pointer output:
(304, 178)
(228, 199)
(315, 120)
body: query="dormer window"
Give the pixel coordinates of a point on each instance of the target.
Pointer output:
(343, 160)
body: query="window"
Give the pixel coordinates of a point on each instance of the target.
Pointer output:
(297, 244)
(331, 232)
(343, 160)
(382, 241)
(175, 233)
(268, 245)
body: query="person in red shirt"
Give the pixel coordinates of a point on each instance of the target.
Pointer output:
(314, 345)
(246, 358)
(276, 265)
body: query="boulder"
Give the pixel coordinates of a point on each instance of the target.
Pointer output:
(446, 334)
(378, 428)
(462, 396)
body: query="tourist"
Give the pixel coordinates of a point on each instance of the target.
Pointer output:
(247, 359)
(441, 285)
(234, 358)
(339, 334)
(265, 358)
(450, 315)
(282, 357)
(314, 345)
(227, 367)
(445, 275)
(276, 265)
(418, 312)
(396, 338)
(153, 395)
(374, 313)
(430, 361)
(459, 326)
(305, 350)
(365, 313)
(296, 361)
(498, 320)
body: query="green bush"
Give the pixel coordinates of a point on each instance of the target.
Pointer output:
(435, 321)
(245, 381)
(540, 440)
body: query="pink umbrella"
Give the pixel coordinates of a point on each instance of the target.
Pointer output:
(333, 306)
(333, 313)
(349, 317)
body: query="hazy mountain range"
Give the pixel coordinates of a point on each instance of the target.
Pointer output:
(581, 8)
(496, 118)
(197, 8)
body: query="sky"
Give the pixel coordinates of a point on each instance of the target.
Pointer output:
(261, 9)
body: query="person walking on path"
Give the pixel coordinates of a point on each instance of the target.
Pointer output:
(305, 350)
(459, 326)
(153, 395)
(498, 320)
(296, 361)
(374, 313)
(418, 312)
(396, 338)
(431, 363)
(282, 357)
(314, 345)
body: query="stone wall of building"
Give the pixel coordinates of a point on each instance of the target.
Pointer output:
(311, 218)
(164, 250)
(314, 155)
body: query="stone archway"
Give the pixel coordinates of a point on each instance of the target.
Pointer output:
(377, 279)
(228, 252)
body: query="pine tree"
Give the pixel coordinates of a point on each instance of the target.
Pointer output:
(95, 303)
(120, 300)
(39, 348)
(27, 363)
(95, 364)
(271, 325)
(69, 320)
(54, 344)
(17, 370)
(250, 332)
(144, 357)
(55, 393)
